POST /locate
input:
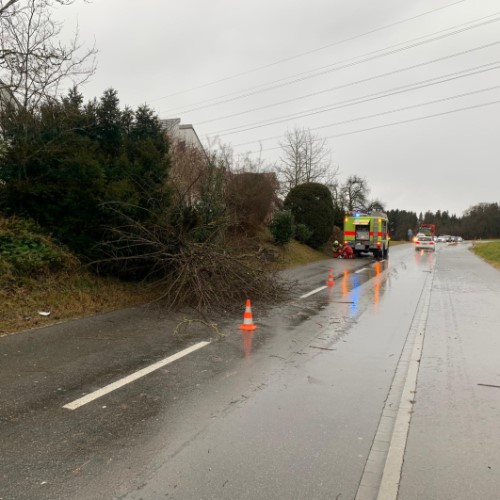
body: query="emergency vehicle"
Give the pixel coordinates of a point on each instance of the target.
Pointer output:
(427, 229)
(367, 233)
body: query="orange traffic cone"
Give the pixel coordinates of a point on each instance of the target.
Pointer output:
(330, 281)
(247, 318)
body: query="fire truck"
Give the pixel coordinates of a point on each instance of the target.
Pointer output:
(367, 233)
(427, 229)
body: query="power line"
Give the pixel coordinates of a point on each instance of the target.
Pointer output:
(376, 115)
(357, 82)
(401, 122)
(366, 98)
(339, 65)
(458, 110)
(302, 54)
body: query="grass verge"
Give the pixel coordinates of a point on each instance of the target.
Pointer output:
(489, 251)
(38, 276)
(65, 295)
(296, 254)
(31, 284)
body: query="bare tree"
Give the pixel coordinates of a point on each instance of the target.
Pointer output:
(34, 62)
(10, 7)
(305, 158)
(355, 193)
(375, 204)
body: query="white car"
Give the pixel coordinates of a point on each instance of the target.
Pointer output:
(425, 243)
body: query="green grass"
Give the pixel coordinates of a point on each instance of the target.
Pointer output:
(489, 251)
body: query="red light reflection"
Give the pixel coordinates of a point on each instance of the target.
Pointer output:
(376, 288)
(344, 284)
(247, 337)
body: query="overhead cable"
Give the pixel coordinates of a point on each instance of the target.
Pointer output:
(340, 65)
(350, 84)
(420, 118)
(376, 115)
(401, 122)
(366, 98)
(302, 54)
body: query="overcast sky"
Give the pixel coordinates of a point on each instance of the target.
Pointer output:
(211, 63)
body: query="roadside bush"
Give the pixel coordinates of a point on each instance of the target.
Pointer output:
(302, 233)
(26, 251)
(311, 204)
(282, 227)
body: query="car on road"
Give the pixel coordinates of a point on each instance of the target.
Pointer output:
(423, 242)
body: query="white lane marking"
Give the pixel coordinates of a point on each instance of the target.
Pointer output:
(132, 377)
(361, 270)
(313, 292)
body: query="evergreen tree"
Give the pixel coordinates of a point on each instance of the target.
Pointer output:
(311, 204)
(67, 164)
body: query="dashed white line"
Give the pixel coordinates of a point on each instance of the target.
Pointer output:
(313, 292)
(132, 377)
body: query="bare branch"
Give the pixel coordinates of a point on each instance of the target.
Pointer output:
(34, 64)
(305, 158)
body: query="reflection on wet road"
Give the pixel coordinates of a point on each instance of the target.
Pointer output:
(299, 408)
(357, 289)
(299, 397)
(322, 366)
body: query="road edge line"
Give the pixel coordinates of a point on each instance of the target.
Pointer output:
(391, 476)
(399, 403)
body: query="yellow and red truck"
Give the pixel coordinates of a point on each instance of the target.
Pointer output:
(427, 229)
(367, 233)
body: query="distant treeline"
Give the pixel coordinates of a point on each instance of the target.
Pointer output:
(478, 222)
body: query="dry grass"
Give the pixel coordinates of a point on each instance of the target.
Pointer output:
(296, 254)
(75, 293)
(65, 295)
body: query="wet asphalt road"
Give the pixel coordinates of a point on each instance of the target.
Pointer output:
(289, 411)
(453, 449)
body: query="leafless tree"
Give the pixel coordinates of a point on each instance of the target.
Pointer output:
(355, 193)
(34, 62)
(305, 158)
(374, 205)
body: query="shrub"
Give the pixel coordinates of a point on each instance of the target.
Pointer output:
(282, 227)
(311, 204)
(302, 233)
(26, 251)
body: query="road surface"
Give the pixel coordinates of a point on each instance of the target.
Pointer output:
(384, 385)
